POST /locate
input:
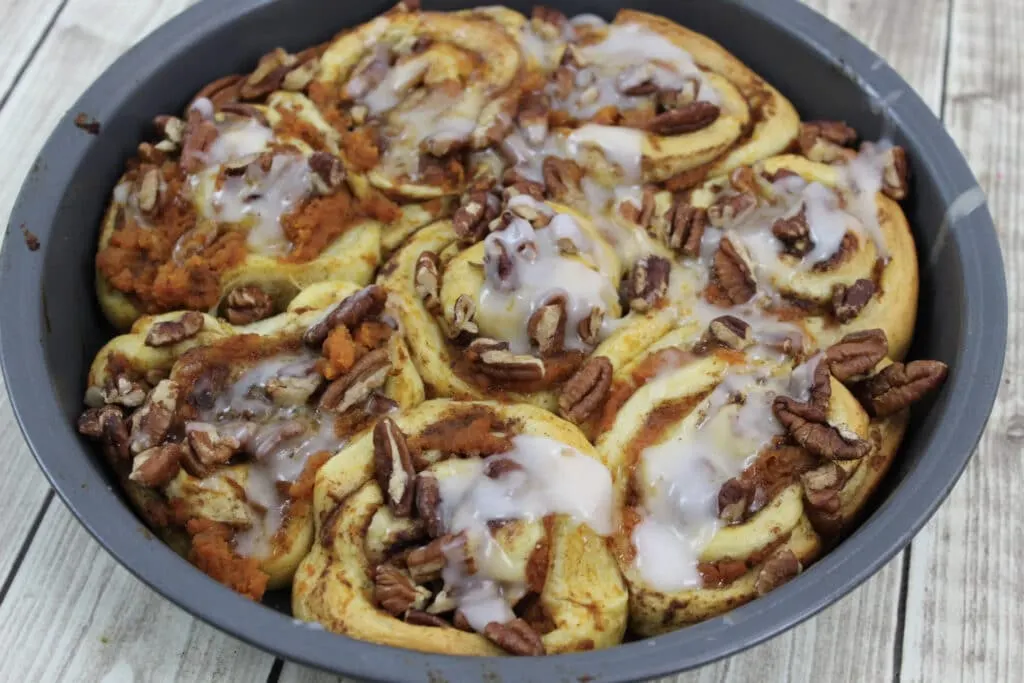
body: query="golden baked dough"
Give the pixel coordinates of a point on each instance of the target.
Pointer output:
(661, 323)
(233, 414)
(551, 565)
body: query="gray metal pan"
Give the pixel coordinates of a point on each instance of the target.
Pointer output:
(50, 324)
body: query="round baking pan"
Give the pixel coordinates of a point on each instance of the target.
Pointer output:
(50, 324)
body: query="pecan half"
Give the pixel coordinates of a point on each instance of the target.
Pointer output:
(809, 428)
(856, 354)
(734, 499)
(589, 328)
(209, 446)
(156, 466)
(328, 172)
(395, 592)
(393, 467)
(586, 390)
(418, 617)
(427, 281)
(732, 271)
(691, 117)
(366, 303)
(425, 564)
(151, 422)
(462, 317)
(516, 637)
(731, 332)
(561, 177)
(370, 372)
(247, 304)
(499, 266)
(492, 358)
(794, 233)
(848, 302)
(779, 568)
(822, 486)
(546, 326)
(428, 503)
(894, 175)
(221, 91)
(899, 385)
(684, 228)
(731, 209)
(647, 284)
(175, 331)
(119, 389)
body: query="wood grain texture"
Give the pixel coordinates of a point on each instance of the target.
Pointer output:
(25, 23)
(73, 614)
(965, 615)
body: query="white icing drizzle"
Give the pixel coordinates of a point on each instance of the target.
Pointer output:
(280, 438)
(863, 174)
(538, 274)
(680, 478)
(554, 479)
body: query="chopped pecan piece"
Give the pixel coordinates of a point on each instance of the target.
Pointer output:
(779, 568)
(647, 285)
(395, 592)
(848, 302)
(822, 486)
(691, 117)
(496, 468)
(147, 189)
(894, 175)
(808, 426)
(561, 177)
(427, 281)
(393, 467)
(156, 466)
(209, 446)
(269, 74)
(516, 637)
(247, 304)
(428, 503)
(586, 391)
(107, 424)
(856, 354)
(589, 328)
(684, 228)
(462, 317)
(899, 385)
(200, 134)
(546, 326)
(366, 303)
(120, 389)
(732, 271)
(533, 116)
(221, 91)
(369, 373)
(637, 80)
(548, 22)
(471, 218)
(425, 564)
(152, 421)
(734, 499)
(731, 209)
(499, 266)
(328, 172)
(418, 617)
(493, 359)
(826, 141)
(731, 332)
(175, 331)
(794, 233)
(293, 390)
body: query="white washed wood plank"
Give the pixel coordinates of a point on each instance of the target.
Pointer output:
(965, 616)
(831, 647)
(24, 23)
(73, 614)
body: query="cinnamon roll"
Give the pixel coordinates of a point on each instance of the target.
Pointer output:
(737, 462)
(466, 528)
(540, 310)
(216, 432)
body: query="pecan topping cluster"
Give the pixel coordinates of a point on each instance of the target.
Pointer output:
(407, 577)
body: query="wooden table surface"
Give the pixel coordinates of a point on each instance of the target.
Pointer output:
(949, 608)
